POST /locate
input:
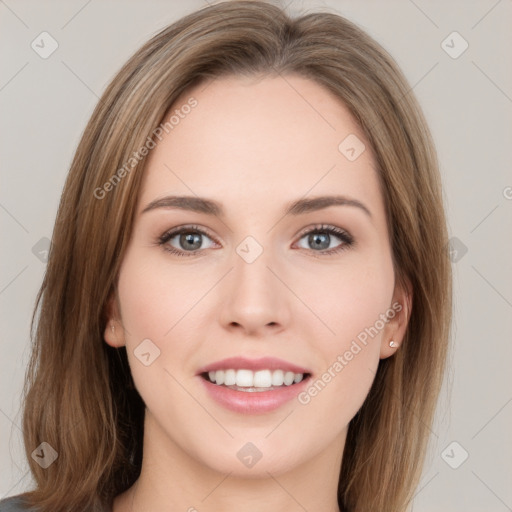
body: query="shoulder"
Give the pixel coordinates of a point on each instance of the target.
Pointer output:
(13, 504)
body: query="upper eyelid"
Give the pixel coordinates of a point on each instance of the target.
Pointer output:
(179, 229)
(322, 227)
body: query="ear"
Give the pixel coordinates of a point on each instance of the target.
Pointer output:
(398, 319)
(114, 331)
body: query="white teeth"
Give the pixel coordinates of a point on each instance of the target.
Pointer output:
(258, 379)
(244, 378)
(229, 378)
(288, 378)
(277, 378)
(218, 377)
(262, 379)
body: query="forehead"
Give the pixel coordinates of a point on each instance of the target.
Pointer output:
(253, 140)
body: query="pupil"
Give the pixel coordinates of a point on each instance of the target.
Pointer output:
(188, 239)
(316, 240)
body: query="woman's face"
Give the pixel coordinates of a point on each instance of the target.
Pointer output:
(250, 278)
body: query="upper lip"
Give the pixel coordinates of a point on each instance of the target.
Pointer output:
(263, 363)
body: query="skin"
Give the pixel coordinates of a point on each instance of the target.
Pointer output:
(253, 145)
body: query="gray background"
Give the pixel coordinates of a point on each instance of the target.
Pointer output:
(467, 100)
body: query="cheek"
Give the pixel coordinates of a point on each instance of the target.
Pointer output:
(143, 305)
(150, 306)
(158, 304)
(154, 297)
(353, 303)
(350, 297)
(342, 383)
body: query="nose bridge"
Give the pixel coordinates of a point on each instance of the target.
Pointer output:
(254, 296)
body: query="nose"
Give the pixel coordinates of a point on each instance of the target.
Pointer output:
(256, 301)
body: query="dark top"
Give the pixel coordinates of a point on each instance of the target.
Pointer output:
(17, 504)
(13, 504)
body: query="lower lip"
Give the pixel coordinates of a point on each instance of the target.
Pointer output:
(255, 402)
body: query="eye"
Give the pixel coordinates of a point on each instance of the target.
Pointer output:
(320, 238)
(188, 238)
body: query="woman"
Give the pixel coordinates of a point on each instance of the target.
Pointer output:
(248, 298)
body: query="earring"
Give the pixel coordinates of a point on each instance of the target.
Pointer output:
(392, 344)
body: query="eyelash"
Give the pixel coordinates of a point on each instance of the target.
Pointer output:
(343, 235)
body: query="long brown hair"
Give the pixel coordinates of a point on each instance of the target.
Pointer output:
(79, 396)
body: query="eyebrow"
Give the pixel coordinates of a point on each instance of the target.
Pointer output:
(211, 207)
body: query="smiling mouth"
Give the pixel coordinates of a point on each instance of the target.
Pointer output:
(254, 381)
